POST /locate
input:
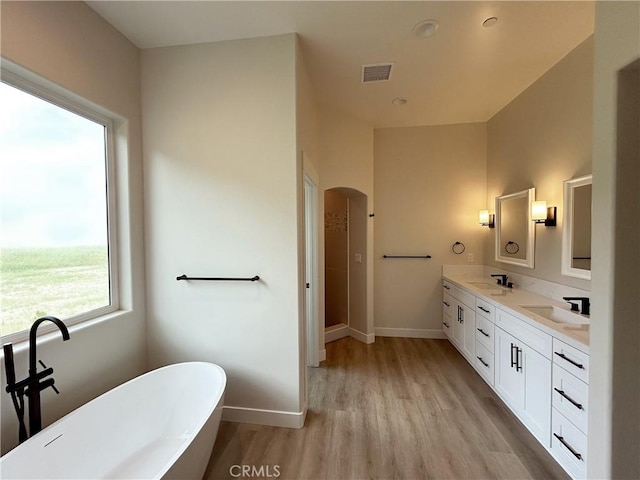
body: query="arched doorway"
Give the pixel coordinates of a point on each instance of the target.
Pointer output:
(345, 252)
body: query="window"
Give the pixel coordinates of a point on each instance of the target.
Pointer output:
(56, 257)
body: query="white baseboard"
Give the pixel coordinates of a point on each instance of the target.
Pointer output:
(409, 332)
(335, 332)
(272, 418)
(322, 355)
(363, 337)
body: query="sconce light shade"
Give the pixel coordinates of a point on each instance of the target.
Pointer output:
(540, 213)
(485, 219)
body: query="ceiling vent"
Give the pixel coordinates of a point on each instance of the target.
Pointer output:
(378, 72)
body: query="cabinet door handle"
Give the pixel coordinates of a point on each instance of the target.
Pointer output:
(461, 314)
(447, 287)
(575, 404)
(446, 304)
(482, 332)
(564, 357)
(484, 309)
(567, 446)
(518, 359)
(483, 362)
(445, 324)
(513, 361)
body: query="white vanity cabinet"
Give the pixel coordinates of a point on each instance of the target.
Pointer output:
(541, 378)
(459, 319)
(448, 306)
(523, 380)
(570, 400)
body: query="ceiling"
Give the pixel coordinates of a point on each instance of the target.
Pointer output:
(463, 73)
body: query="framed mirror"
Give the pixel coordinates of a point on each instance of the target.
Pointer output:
(515, 231)
(576, 229)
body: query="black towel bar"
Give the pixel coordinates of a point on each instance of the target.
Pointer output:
(220, 279)
(406, 256)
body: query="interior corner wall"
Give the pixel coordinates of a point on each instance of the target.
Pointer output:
(430, 183)
(614, 391)
(543, 137)
(345, 147)
(222, 200)
(70, 45)
(307, 164)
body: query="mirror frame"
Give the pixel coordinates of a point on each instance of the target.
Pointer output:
(567, 226)
(528, 261)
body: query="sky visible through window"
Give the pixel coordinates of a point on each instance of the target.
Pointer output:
(53, 211)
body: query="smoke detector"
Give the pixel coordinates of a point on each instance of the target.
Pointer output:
(377, 72)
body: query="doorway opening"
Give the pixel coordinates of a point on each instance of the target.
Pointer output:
(345, 249)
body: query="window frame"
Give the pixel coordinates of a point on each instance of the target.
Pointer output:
(32, 84)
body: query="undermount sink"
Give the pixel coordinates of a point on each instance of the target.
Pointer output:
(556, 314)
(484, 285)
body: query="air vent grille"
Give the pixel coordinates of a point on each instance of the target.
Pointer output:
(379, 72)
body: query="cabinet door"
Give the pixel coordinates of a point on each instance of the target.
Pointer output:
(536, 407)
(468, 318)
(509, 380)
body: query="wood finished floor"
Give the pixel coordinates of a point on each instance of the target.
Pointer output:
(399, 408)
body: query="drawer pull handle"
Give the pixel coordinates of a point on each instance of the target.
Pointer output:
(445, 324)
(482, 332)
(568, 447)
(483, 362)
(484, 309)
(575, 404)
(446, 304)
(447, 287)
(564, 357)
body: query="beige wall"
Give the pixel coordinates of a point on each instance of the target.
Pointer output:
(345, 147)
(430, 183)
(614, 390)
(543, 137)
(69, 44)
(222, 198)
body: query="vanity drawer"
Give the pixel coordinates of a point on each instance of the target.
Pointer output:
(485, 309)
(447, 325)
(447, 286)
(571, 359)
(484, 332)
(484, 363)
(536, 339)
(447, 304)
(465, 297)
(570, 397)
(569, 445)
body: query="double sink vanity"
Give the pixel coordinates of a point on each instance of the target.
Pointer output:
(532, 349)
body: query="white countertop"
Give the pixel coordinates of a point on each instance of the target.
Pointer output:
(513, 298)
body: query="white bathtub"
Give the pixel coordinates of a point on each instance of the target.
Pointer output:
(160, 425)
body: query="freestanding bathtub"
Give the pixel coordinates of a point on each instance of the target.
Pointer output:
(162, 424)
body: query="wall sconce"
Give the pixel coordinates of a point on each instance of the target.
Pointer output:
(540, 213)
(486, 219)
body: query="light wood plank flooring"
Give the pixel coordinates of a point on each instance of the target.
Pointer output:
(399, 408)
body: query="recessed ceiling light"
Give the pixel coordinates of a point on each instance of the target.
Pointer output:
(425, 28)
(490, 22)
(399, 101)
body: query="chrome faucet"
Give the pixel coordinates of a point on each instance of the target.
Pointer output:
(34, 383)
(586, 304)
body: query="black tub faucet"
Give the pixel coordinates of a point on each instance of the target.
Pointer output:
(586, 304)
(34, 383)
